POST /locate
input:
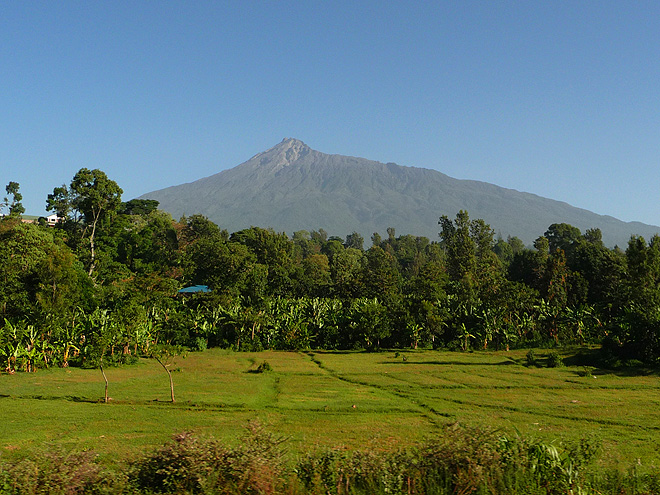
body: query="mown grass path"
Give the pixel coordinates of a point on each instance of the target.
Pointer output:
(328, 399)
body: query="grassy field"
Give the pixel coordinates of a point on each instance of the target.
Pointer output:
(329, 399)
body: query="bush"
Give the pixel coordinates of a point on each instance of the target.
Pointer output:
(465, 460)
(586, 372)
(531, 358)
(57, 473)
(555, 360)
(198, 344)
(183, 465)
(264, 367)
(461, 460)
(190, 465)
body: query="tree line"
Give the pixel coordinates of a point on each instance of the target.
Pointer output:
(102, 284)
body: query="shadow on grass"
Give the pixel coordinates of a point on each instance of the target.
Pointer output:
(622, 371)
(593, 362)
(70, 398)
(86, 400)
(355, 351)
(204, 406)
(451, 363)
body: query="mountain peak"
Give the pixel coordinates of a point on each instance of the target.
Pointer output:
(283, 154)
(296, 145)
(292, 142)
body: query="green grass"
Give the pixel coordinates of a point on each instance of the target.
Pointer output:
(328, 399)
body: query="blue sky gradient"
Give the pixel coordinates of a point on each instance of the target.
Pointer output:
(560, 99)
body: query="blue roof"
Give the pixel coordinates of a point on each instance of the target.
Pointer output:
(195, 288)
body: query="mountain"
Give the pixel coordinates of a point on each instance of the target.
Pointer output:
(292, 187)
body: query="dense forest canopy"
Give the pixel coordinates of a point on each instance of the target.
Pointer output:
(103, 283)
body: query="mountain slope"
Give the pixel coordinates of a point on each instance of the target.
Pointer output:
(292, 187)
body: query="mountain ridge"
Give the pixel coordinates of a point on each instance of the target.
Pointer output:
(292, 187)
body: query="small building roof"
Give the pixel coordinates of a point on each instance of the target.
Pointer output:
(195, 288)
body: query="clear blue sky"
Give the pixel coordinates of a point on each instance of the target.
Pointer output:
(561, 99)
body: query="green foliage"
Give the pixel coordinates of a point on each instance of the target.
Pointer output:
(264, 367)
(555, 360)
(184, 465)
(190, 465)
(127, 261)
(93, 197)
(58, 473)
(141, 207)
(530, 358)
(15, 207)
(461, 460)
(38, 273)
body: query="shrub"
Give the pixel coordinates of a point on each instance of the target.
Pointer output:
(183, 465)
(263, 367)
(190, 465)
(461, 460)
(55, 472)
(198, 344)
(586, 372)
(531, 358)
(555, 360)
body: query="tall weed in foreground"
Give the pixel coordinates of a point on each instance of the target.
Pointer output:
(58, 473)
(190, 465)
(460, 461)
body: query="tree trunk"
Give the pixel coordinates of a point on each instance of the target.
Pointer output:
(169, 374)
(171, 385)
(105, 378)
(91, 242)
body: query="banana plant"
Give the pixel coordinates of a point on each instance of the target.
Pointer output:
(579, 319)
(142, 335)
(414, 333)
(12, 349)
(294, 325)
(465, 337)
(371, 320)
(68, 336)
(30, 349)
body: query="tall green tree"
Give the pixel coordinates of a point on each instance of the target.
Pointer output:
(97, 198)
(380, 276)
(636, 329)
(345, 270)
(94, 197)
(355, 241)
(459, 245)
(15, 207)
(37, 273)
(563, 236)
